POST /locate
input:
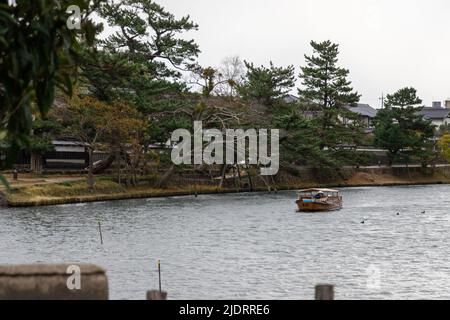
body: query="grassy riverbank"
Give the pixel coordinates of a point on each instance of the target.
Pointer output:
(74, 191)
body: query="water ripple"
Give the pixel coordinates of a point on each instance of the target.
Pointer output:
(248, 246)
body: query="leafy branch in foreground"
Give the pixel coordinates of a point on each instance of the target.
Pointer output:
(38, 53)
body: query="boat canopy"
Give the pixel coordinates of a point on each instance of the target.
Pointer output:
(319, 190)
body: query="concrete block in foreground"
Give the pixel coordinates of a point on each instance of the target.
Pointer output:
(53, 282)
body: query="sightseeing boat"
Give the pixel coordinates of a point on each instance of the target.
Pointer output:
(312, 200)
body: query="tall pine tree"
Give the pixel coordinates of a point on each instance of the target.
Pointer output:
(324, 83)
(325, 87)
(142, 61)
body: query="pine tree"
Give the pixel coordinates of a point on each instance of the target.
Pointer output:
(324, 83)
(147, 34)
(267, 84)
(325, 87)
(405, 97)
(300, 143)
(141, 62)
(43, 132)
(400, 129)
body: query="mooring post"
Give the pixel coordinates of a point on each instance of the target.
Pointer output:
(324, 292)
(156, 295)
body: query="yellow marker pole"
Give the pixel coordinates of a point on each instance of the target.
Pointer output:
(159, 274)
(100, 231)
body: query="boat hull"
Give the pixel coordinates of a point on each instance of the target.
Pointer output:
(317, 206)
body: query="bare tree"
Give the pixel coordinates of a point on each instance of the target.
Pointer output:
(207, 79)
(232, 68)
(221, 81)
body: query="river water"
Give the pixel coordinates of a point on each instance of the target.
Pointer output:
(249, 246)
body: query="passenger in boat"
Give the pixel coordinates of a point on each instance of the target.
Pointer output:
(319, 195)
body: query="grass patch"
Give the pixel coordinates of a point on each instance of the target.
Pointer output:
(63, 189)
(104, 189)
(66, 184)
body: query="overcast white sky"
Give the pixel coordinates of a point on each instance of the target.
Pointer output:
(386, 44)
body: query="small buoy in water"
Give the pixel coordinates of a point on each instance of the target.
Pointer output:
(423, 212)
(398, 213)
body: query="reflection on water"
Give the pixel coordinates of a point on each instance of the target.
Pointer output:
(248, 246)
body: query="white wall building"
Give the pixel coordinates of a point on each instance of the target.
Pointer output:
(437, 114)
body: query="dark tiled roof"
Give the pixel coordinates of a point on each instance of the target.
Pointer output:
(289, 98)
(435, 113)
(362, 109)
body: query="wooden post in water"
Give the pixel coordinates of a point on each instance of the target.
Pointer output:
(156, 295)
(324, 292)
(100, 231)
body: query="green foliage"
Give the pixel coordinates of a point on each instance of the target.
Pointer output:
(37, 54)
(147, 35)
(443, 129)
(132, 92)
(66, 184)
(300, 143)
(5, 183)
(324, 83)
(403, 131)
(444, 146)
(326, 89)
(405, 97)
(43, 132)
(141, 62)
(334, 133)
(267, 84)
(105, 75)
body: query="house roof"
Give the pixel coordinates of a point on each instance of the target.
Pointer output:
(289, 98)
(68, 143)
(362, 109)
(435, 113)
